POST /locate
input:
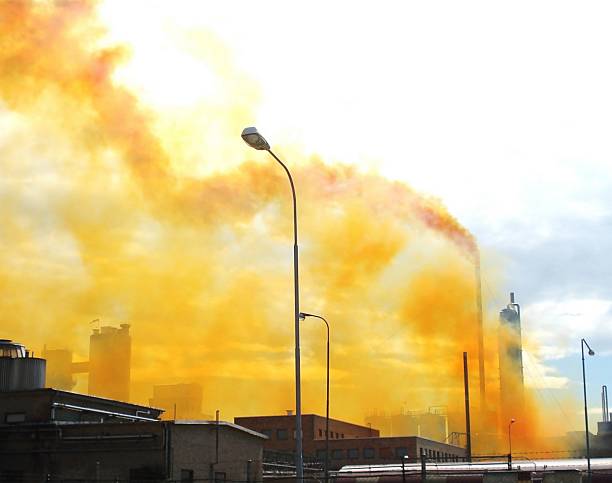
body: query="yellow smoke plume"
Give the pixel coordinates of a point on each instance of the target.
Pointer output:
(101, 219)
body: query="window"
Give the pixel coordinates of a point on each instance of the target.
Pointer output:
(14, 418)
(267, 432)
(282, 434)
(342, 435)
(321, 455)
(368, 453)
(401, 452)
(220, 477)
(320, 433)
(353, 454)
(186, 476)
(337, 454)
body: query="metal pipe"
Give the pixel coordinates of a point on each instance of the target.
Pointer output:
(101, 411)
(299, 462)
(217, 437)
(466, 388)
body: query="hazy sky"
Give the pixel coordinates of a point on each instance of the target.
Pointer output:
(501, 109)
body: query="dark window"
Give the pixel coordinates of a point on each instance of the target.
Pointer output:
(14, 418)
(368, 453)
(320, 433)
(401, 452)
(267, 432)
(220, 477)
(186, 476)
(342, 435)
(321, 455)
(337, 454)
(145, 473)
(282, 434)
(353, 454)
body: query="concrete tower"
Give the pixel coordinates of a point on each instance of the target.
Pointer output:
(110, 352)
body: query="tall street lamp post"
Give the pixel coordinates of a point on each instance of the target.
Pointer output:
(586, 415)
(512, 421)
(303, 315)
(251, 136)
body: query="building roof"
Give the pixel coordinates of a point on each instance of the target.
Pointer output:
(74, 400)
(198, 422)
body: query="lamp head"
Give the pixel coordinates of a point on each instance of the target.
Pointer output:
(302, 315)
(512, 421)
(252, 137)
(591, 352)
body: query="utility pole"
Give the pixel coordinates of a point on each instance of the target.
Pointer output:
(466, 388)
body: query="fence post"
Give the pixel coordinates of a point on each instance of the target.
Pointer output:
(403, 469)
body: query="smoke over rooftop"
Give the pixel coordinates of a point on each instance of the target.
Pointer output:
(102, 216)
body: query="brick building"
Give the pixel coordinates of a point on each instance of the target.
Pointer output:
(349, 444)
(45, 433)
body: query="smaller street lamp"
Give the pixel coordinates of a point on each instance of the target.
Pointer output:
(303, 316)
(586, 415)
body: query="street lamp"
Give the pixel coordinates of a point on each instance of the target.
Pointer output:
(252, 137)
(586, 416)
(512, 421)
(303, 316)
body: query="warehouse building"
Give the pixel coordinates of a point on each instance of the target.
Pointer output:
(349, 444)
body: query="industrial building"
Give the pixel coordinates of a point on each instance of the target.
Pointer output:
(108, 367)
(348, 444)
(53, 435)
(179, 401)
(430, 424)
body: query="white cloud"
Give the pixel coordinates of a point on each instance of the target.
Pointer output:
(558, 326)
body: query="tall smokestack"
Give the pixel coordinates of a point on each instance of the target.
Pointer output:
(481, 364)
(511, 380)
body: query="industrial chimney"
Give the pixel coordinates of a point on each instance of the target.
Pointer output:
(511, 379)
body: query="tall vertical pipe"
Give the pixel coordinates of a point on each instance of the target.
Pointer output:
(604, 404)
(481, 364)
(466, 387)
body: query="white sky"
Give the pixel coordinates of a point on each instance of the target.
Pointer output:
(501, 109)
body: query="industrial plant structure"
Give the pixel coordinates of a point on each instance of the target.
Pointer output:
(53, 435)
(511, 380)
(108, 367)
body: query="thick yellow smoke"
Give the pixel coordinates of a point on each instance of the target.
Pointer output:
(101, 219)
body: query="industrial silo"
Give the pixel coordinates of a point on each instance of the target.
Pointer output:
(18, 370)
